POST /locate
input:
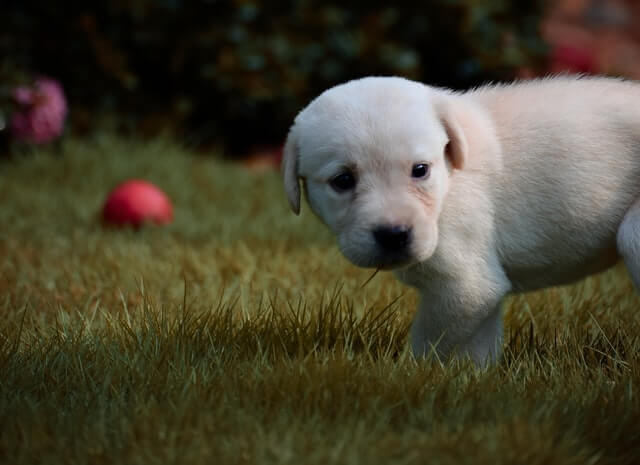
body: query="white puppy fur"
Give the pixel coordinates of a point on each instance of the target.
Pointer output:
(471, 196)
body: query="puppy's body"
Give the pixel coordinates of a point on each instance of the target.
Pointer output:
(530, 185)
(570, 171)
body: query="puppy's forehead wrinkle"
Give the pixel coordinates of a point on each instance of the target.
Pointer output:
(377, 130)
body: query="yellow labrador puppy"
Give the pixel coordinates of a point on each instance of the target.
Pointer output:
(471, 196)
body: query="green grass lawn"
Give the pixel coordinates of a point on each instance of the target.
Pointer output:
(239, 334)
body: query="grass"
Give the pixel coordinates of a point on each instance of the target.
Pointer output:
(240, 335)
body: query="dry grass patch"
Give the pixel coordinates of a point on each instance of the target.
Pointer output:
(240, 335)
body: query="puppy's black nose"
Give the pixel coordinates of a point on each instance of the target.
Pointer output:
(393, 238)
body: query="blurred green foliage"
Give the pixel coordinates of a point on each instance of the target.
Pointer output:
(238, 71)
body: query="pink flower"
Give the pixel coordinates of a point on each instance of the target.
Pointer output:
(41, 112)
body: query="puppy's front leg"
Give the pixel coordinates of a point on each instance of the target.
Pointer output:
(453, 324)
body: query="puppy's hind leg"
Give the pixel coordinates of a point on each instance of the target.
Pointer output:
(628, 241)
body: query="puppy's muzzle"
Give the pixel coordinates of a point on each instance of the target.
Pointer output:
(393, 238)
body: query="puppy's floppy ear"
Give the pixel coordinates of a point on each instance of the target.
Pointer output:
(289, 170)
(456, 149)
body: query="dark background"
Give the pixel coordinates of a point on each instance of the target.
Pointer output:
(235, 73)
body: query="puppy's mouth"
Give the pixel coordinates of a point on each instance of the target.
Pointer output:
(385, 262)
(382, 256)
(393, 262)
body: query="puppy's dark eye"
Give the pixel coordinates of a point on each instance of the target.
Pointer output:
(421, 170)
(344, 181)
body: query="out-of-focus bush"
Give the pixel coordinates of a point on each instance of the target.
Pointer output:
(594, 36)
(238, 71)
(40, 114)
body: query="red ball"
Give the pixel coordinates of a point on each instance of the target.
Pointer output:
(135, 202)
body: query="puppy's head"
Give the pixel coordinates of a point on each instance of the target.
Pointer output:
(375, 156)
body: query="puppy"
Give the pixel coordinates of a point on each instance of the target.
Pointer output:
(471, 196)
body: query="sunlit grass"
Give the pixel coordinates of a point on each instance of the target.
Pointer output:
(240, 335)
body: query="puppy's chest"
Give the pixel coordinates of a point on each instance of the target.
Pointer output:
(449, 266)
